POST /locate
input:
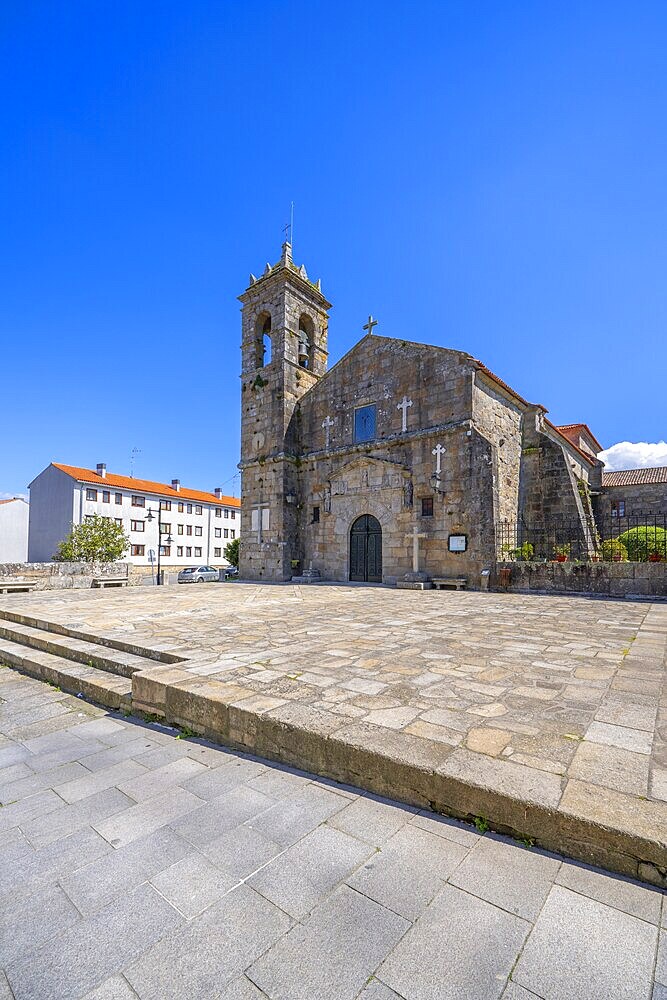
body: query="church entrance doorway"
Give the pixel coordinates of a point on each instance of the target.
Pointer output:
(366, 550)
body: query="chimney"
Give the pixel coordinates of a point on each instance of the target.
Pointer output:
(102, 470)
(218, 493)
(176, 485)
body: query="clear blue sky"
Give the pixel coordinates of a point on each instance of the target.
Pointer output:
(490, 177)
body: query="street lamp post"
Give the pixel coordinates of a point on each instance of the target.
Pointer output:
(168, 540)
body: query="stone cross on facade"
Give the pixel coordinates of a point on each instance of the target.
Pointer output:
(414, 537)
(327, 424)
(403, 405)
(371, 323)
(438, 451)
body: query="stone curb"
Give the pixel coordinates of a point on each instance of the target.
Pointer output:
(619, 832)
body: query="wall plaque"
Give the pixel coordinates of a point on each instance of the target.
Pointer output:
(458, 543)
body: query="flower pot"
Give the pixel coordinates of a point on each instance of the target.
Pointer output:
(655, 557)
(617, 557)
(561, 558)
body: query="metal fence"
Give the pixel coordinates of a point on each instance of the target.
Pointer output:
(638, 538)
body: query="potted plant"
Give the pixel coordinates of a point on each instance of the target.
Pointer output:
(655, 556)
(525, 552)
(561, 552)
(613, 550)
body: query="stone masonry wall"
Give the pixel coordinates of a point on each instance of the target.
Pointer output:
(61, 576)
(622, 579)
(649, 499)
(500, 419)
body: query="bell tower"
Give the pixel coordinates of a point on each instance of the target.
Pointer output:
(283, 355)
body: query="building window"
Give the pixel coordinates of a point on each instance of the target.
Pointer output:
(181, 508)
(119, 521)
(197, 509)
(316, 515)
(217, 553)
(89, 517)
(138, 501)
(165, 504)
(218, 532)
(218, 512)
(618, 508)
(233, 514)
(165, 527)
(233, 533)
(137, 526)
(364, 423)
(427, 506)
(188, 530)
(91, 494)
(198, 553)
(179, 550)
(118, 497)
(165, 550)
(106, 496)
(188, 551)
(137, 550)
(226, 532)
(180, 529)
(226, 513)
(189, 508)
(198, 531)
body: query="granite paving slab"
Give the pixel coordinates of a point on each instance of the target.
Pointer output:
(341, 894)
(541, 716)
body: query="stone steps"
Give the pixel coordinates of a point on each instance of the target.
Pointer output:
(91, 654)
(20, 618)
(101, 686)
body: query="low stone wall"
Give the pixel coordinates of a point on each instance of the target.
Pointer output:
(622, 579)
(62, 576)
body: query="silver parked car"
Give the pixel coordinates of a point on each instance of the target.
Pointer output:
(198, 574)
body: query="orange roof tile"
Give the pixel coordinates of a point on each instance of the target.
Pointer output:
(144, 486)
(635, 477)
(11, 499)
(570, 431)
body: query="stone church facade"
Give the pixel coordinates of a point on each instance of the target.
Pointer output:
(342, 466)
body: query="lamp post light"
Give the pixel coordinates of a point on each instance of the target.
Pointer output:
(168, 540)
(436, 484)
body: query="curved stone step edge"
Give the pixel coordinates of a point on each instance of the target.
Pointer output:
(86, 653)
(410, 768)
(161, 656)
(102, 688)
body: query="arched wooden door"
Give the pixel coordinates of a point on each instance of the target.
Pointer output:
(366, 550)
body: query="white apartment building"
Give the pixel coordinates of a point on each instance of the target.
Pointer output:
(195, 526)
(13, 530)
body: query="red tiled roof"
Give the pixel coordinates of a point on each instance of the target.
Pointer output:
(11, 500)
(635, 477)
(584, 454)
(572, 431)
(144, 486)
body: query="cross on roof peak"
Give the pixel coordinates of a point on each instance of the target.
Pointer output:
(371, 323)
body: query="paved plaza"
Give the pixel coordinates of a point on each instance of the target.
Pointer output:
(137, 864)
(542, 713)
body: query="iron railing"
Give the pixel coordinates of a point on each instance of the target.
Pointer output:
(637, 537)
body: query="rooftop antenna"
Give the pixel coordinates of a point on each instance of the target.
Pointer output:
(135, 451)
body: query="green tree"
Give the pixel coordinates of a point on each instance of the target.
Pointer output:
(232, 552)
(98, 539)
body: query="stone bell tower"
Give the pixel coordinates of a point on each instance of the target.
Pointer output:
(284, 353)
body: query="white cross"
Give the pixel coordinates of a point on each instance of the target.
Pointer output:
(438, 451)
(327, 424)
(414, 537)
(403, 405)
(371, 323)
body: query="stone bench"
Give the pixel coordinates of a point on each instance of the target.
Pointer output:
(445, 582)
(17, 586)
(109, 581)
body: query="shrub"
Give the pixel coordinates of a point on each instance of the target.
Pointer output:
(640, 542)
(613, 550)
(231, 552)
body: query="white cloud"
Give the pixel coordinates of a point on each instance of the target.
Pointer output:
(634, 455)
(11, 496)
